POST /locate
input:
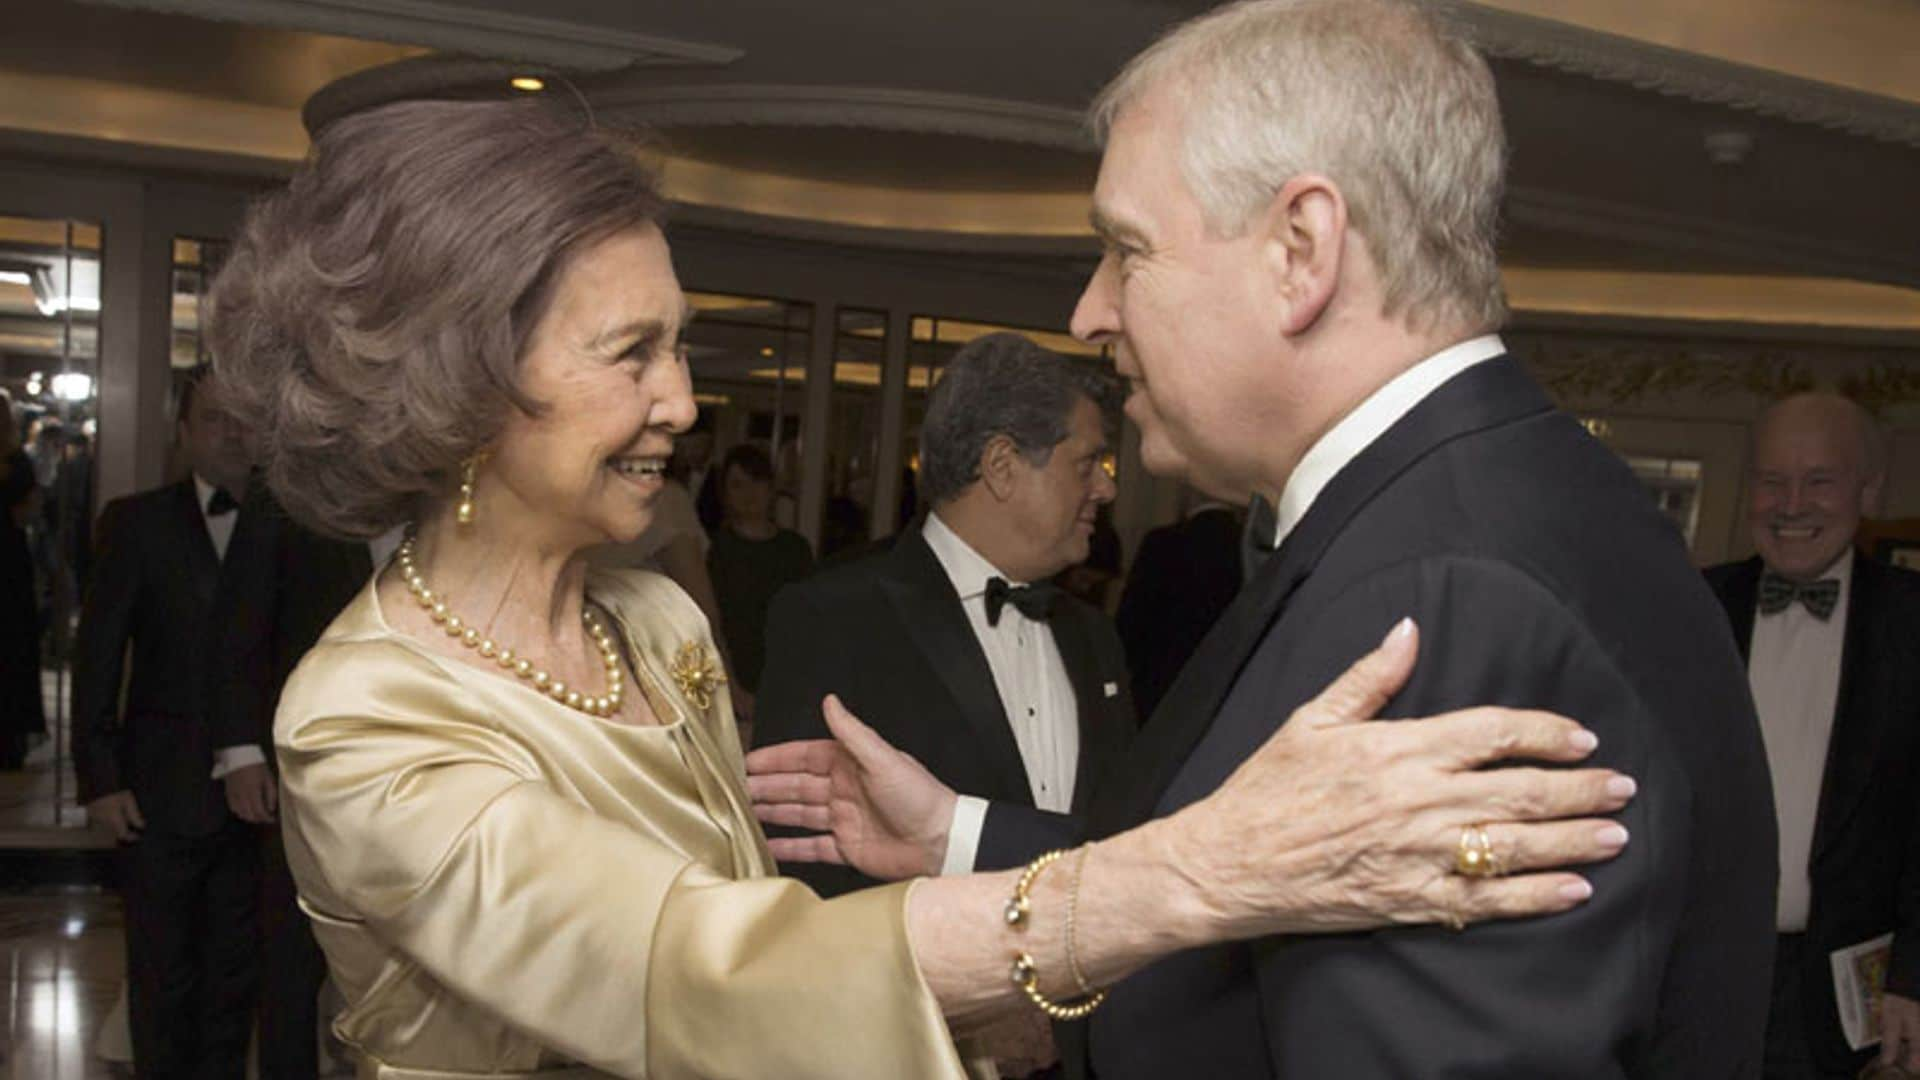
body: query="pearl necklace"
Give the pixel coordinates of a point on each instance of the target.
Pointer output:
(435, 606)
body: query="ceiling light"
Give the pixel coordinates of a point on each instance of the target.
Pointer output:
(72, 386)
(527, 83)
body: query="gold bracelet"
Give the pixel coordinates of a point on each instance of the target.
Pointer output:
(1025, 974)
(1018, 905)
(1027, 978)
(1073, 909)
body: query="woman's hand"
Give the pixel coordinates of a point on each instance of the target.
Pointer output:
(1338, 824)
(873, 807)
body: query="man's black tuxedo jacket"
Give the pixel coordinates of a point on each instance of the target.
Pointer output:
(888, 634)
(1541, 576)
(1865, 866)
(155, 578)
(1182, 578)
(284, 586)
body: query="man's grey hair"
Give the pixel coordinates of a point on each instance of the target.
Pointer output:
(1004, 384)
(1383, 97)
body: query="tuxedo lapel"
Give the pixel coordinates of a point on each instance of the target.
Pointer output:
(1743, 592)
(1857, 730)
(1484, 396)
(918, 588)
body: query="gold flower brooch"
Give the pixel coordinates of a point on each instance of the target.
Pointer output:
(697, 674)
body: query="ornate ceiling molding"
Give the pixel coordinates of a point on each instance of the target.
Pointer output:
(1588, 370)
(1690, 76)
(860, 107)
(455, 28)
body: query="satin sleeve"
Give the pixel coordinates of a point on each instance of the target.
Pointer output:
(438, 834)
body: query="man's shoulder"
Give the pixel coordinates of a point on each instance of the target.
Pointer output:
(140, 511)
(1722, 576)
(836, 584)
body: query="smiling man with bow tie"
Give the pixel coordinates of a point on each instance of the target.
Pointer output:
(1833, 656)
(953, 644)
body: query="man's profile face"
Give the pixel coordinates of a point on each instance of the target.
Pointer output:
(1182, 309)
(1052, 507)
(1810, 487)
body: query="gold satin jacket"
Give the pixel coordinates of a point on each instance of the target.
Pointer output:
(502, 884)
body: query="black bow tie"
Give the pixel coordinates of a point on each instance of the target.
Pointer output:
(1820, 597)
(1034, 601)
(221, 503)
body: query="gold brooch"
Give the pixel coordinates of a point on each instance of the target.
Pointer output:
(697, 673)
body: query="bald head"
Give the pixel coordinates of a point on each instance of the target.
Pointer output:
(1816, 468)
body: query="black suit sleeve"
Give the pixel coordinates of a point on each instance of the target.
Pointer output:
(1014, 835)
(1565, 996)
(241, 691)
(1903, 971)
(802, 667)
(99, 654)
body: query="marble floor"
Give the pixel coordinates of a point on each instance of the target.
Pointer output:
(63, 965)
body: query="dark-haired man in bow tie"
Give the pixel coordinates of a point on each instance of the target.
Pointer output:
(1832, 643)
(952, 644)
(144, 756)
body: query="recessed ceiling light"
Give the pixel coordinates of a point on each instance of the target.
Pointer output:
(528, 83)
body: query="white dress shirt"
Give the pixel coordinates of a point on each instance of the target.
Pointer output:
(1793, 667)
(1034, 690)
(229, 759)
(1368, 421)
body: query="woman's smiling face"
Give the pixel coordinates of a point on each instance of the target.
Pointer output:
(605, 362)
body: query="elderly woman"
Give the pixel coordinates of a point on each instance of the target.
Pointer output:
(514, 802)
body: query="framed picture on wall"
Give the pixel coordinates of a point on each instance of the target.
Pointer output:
(1899, 552)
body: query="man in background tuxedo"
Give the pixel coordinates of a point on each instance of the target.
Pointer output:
(146, 769)
(284, 585)
(1184, 575)
(1832, 643)
(951, 643)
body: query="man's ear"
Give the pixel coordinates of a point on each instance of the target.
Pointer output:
(1870, 493)
(1303, 235)
(998, 460)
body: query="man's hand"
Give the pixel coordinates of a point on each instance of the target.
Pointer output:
(118, 814)
(1900, 1031)
(253, 794)
(881, 811)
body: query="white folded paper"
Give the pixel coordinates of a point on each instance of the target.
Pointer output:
(1859, 975)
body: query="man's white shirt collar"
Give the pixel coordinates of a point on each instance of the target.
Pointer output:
(1357, 430)
(204, 490)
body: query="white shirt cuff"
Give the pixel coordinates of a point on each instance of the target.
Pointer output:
(963, 836)
(231, 759)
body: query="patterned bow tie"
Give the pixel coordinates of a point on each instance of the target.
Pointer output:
(1034, 601)
(221, 503)
(1820, 597)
